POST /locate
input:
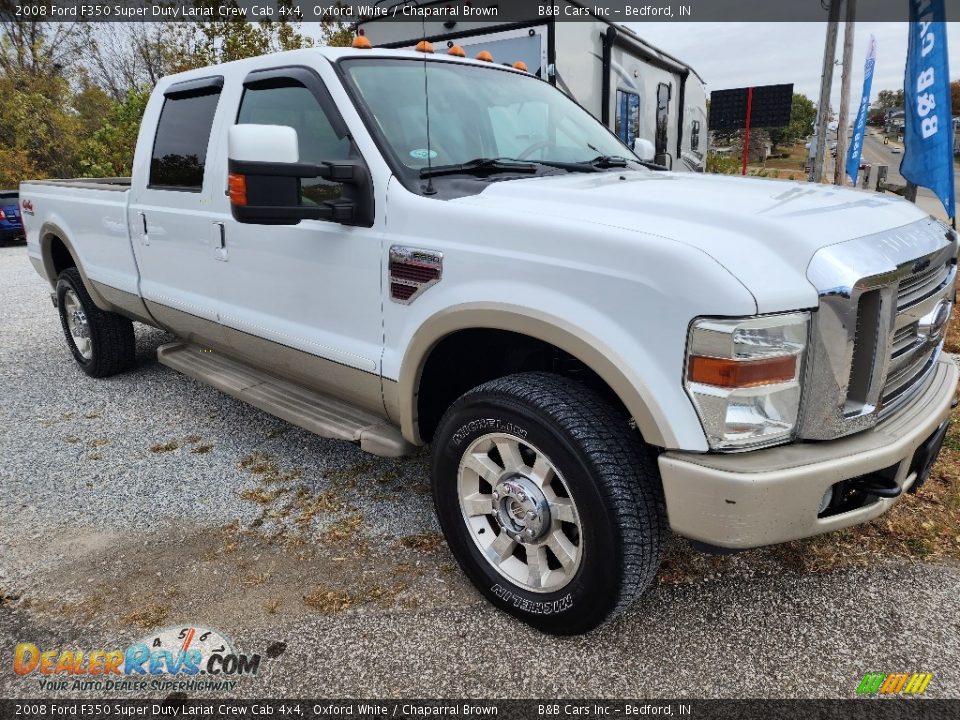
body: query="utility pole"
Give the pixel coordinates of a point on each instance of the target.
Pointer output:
(840, 166)
(826, 83)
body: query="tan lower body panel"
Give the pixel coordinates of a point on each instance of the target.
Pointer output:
(769, 496)
(124, 303)
(310, 410)
(354, 386)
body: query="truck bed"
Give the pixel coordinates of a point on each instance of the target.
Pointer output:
(92, 214)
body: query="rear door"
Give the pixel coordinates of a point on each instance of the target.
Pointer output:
(170, 212)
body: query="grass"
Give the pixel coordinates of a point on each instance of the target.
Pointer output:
(424, 542)
(149, 616)
(331, 601)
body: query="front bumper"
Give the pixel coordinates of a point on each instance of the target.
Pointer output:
(769, 496)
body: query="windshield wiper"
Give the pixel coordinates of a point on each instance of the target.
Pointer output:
(608, 161)
(480, 166)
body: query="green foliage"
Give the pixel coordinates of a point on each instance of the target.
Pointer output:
(955, 97)
(889, 99)
(723, 164)
(37, 130)
(195, 45)
(108, 152)
(802, 116)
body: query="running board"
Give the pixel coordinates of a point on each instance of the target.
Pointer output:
(305, 408)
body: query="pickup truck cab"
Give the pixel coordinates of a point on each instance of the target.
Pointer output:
(597, 352)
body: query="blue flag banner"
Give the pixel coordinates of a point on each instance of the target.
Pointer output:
(928, 129)
(860, 126)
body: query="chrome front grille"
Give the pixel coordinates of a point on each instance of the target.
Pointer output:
(884, 303)
(920, 285)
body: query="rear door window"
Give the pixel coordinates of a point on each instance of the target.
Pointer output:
(180, 146)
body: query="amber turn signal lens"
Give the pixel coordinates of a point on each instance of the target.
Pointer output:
(724, 372)
(237, 185)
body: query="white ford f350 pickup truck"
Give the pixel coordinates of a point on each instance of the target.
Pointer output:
(595, 350)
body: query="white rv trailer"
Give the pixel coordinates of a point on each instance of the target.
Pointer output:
(634, 88)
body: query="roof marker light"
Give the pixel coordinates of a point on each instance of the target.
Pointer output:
(424, 47)
(485, 56)
(361, 43)
(521, 66)
(457, 51)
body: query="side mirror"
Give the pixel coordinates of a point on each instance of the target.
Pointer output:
(265, 175)
(644, 149)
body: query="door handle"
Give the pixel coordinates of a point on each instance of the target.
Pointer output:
(143, 220)
(218, 241)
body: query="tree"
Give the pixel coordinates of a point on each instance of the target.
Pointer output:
(212, 42)
(889, 99)
(955, 97)
(108, 152)
(802, 116)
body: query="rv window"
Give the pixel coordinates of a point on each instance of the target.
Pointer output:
(628, 117)
(695, 136)
(663, 111)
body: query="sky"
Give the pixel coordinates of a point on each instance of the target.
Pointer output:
(730, 55)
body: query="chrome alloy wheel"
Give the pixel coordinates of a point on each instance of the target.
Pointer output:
(520, 512)
(78, 324)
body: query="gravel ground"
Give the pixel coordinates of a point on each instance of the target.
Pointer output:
(150, 500)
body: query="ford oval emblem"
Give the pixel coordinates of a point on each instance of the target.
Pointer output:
(920, 265)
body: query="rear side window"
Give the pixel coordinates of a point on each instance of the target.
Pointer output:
(180, 146)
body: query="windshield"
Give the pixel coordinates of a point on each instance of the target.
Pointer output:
(475, 112)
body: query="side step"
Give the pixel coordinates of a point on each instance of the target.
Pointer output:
(305, 408)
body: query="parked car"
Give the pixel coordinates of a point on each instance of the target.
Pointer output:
(597, 352)
(11, 225)
(896, 149)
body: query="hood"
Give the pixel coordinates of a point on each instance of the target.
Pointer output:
(764, 232)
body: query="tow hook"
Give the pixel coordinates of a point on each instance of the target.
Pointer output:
(873, 485)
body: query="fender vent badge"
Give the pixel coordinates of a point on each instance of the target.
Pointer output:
(413, 270)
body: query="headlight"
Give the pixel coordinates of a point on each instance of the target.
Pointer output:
(744, 378)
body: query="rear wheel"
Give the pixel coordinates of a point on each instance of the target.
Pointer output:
(101, 342)
(549, 501)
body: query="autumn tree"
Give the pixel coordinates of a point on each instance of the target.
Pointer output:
(803, 113)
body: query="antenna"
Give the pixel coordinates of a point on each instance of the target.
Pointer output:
(429, 189)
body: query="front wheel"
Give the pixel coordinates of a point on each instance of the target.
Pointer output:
(549, 501)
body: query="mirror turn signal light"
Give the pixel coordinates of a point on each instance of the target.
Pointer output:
(237, 189)
(424, 47)
(727, 373)
(485, 56)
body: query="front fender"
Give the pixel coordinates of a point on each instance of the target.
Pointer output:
(652, 418)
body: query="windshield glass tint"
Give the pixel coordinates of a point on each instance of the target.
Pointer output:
(475, 112)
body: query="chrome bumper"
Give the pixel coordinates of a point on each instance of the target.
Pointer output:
(769, 496)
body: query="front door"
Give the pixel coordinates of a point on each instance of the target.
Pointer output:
(302, 301)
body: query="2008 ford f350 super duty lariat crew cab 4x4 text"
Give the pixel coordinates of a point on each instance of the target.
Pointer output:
(595, 350)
